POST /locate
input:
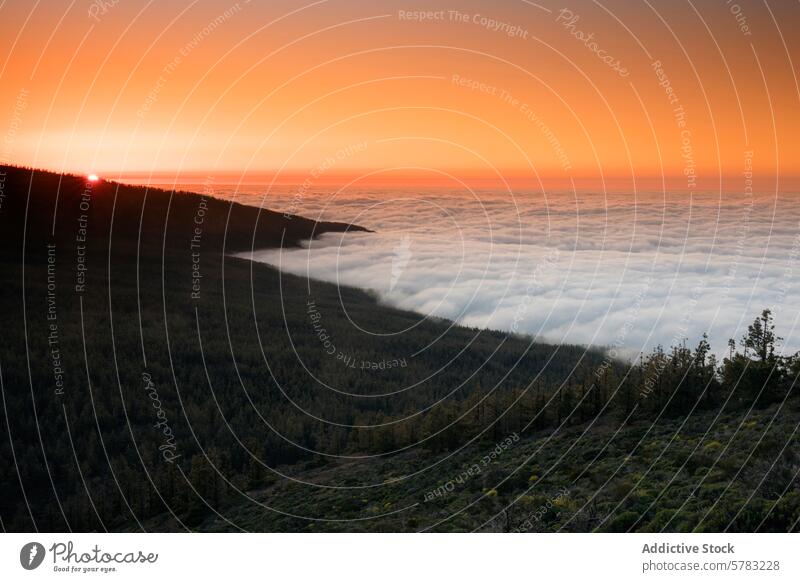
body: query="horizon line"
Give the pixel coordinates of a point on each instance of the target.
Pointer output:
(453, 178)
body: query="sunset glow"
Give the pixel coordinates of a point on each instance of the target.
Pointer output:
(638, 97)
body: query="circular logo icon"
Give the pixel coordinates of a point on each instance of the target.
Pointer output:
(31, 555)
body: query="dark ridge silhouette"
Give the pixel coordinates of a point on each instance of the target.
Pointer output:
(47, 207)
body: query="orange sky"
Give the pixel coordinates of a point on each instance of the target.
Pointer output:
(332, 90)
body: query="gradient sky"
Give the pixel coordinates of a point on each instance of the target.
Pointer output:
(332, 90)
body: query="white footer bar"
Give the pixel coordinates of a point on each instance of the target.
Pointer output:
(397, 557)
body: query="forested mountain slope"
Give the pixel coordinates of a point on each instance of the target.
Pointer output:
(152, 381)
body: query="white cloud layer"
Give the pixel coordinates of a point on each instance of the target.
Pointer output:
(596, 269)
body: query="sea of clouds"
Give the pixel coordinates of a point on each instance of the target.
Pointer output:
(617, 270)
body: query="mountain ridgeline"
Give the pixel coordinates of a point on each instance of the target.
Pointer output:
(152, 381)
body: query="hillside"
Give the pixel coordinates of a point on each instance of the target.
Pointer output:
(242, 380)
(148, 384)
(733, 472)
